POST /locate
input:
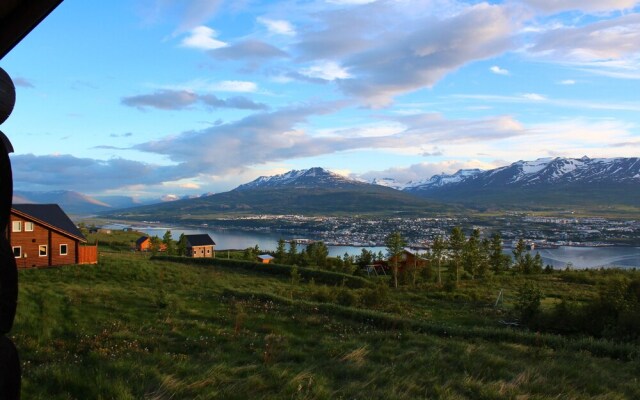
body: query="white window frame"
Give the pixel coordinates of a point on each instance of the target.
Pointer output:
(28, 226)
(66, 249)
(46, 250)
(14, 251)
(16, 224)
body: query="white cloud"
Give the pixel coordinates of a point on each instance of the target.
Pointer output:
(534, 96)
(612, 40)
(202, 38)
(499, 71)
(350, 2)
(235, 86)
(423, 171)
(567, 82)
(278, 26)
(327, 70)
(595, 6)
(419, 56)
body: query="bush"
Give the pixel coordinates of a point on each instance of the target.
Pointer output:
(376, 295)
(320, 276)
(528, 302)
(346, 297)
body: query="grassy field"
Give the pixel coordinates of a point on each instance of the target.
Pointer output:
(132, 328)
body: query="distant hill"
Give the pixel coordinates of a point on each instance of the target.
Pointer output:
(75, 203)
(544, 183)
(313, 191)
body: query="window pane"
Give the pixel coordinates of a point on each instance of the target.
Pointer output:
(63, 249)
(43, 250)
(28, 226)
(17, 226)
(17, 252)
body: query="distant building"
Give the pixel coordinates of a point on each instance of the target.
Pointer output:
(199, 246)
(265, 258)
(408, 258)
(42, 235)
(144, 244)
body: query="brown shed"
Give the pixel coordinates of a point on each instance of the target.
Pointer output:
(42, 235)
(265, 258)
(200, 245)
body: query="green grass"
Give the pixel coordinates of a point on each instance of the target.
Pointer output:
(131, 328)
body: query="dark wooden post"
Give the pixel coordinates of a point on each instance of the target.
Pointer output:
(9, 361)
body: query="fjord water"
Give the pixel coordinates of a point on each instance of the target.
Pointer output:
(579, 257)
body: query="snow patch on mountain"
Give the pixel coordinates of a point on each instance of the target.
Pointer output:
(312, 177)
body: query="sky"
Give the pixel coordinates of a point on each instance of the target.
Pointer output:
(152, 98)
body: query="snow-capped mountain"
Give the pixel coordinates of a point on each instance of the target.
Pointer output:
(389, 182)
(541, 171)
(544, 180)
(312, 178)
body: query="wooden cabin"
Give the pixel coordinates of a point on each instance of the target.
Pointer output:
(407, 258)
(144, 244)
(265, 258)
(199, 246)
(42, 235)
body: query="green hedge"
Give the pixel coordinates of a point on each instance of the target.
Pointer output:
(318, 275)
(597, 347)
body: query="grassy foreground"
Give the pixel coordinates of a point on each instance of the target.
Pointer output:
(131, 328)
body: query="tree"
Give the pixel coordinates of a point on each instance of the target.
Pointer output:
(497, 259)
(292, 256)
(347, 263)
(181, 247)
(365, 258)
(167, 240)
(483, 261)
(437, 252)
(528, 301)
(471, 253)
(251, 253)
(518, 255)
(395, 245)
(281, 252)
(318, 253)
(456, 246)
(154, 245)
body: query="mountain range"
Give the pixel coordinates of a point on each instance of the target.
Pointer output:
(546, 183)
(314, 191)
(543, 183)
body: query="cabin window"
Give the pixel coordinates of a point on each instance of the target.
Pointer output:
(17, 251)
(63, 249)
(208, 251)
(42, 250)
(16, 226)
(28, 226)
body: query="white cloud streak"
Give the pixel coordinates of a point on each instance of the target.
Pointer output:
(202, 38)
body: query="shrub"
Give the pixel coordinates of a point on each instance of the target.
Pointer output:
(376, 295)
(528, 302)
(346, 297)
(320, 276)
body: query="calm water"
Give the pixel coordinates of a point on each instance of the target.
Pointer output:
(580, 257)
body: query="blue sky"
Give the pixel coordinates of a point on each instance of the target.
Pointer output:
(176, 97)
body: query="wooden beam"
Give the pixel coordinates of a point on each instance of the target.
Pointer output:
(20, 18)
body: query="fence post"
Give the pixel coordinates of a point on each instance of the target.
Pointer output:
(9, 361)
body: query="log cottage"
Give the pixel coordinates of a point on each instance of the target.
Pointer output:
(200, 246)
(42, 235)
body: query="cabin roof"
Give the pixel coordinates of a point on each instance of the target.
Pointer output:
(50, 215)
(202, 239)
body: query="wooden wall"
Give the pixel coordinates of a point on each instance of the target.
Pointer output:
(30, 243)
